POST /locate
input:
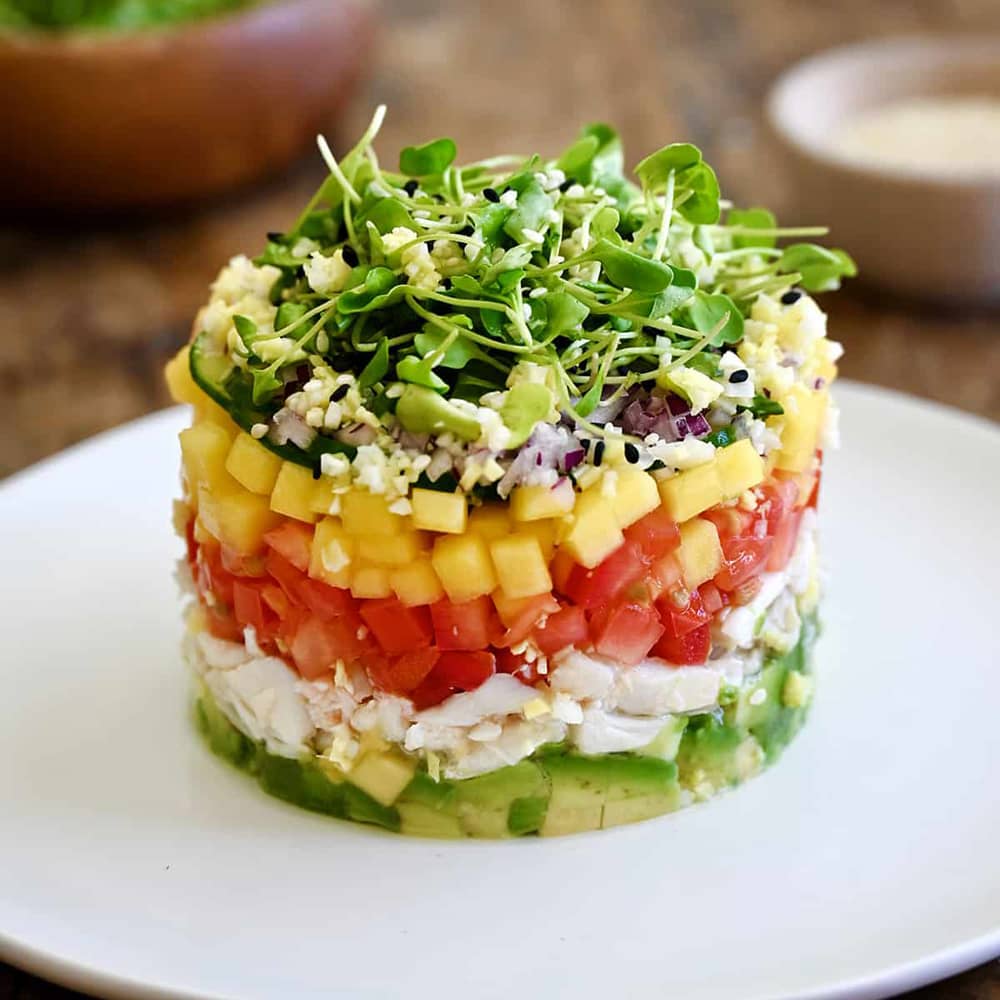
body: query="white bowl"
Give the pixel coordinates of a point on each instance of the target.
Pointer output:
(932, 236)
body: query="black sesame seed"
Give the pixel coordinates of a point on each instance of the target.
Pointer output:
(350, 255)
(631, 453)
(410, 187)
(317, 472)
(741, 376)
(490, 195)
(429, 244)
(790, 298)
(446, 283)
(275, 237)
(567, 184)
(598, 456)
(340, 392)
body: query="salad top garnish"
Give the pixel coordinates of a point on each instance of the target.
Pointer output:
(479, 324)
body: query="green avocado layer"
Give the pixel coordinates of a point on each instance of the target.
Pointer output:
(555, 791)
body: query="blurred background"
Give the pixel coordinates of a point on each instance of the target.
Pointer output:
(101, 274)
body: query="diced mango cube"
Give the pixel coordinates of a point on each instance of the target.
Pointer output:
(323, 497)
(293, 492)
(520, 565)
(416, 583)
(332, 555)
(177, 374)
(207, 411)
(252, 465)
(204, 448)
(534, 503)
(464, 567)
(383, 775)
(799, 427)
(392, 550)
(636, 494)
(369, 580)
(740, 468)
(545, 532)
(700, 552)
(365, 513)
(595, 533)
(490, 521)
(236, 517)
(437, 511)
(690, 492)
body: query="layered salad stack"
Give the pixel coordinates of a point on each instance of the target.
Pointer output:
(500, 491)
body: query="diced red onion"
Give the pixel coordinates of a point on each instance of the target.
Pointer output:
(357, 434)
(290, 427)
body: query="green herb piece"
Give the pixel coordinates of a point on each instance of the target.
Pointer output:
(761, 406)
(629, 270)
(691, 175)
(419, 371)
(752, 218)
(707, 311)
(529, 214)
(526, 404)
(371, 294)
(246, 330)
(820, 268)
(431, 158)
(722, 438)
(377, 368)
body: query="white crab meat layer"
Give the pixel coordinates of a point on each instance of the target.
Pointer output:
(591, 703)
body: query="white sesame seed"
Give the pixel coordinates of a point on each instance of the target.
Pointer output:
(509, 198)
(537, 293)
(575, 191)
(533, 235)
(258, 431)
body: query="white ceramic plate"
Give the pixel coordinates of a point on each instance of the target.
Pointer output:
(134, 864)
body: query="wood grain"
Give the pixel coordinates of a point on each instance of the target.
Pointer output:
(89, 314)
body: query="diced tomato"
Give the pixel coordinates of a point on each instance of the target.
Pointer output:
(567, 627)
(712, 598)
(212, 576)
(352, 636)
(275, 598)
(454, 671)
(625, 631)
(813, 500)
(779, 499)
(402, 674)
(522, 615)
(784, 541)
(190, 543)
(746, 591)
(324, 600)
(466, 671)
(517, 666)
(678, 621)
(560, 568)
(293, 540)
(223, 625)
(286, 574)
(396, 627)
(594, 588)
(469, 625)
(731, 522)
(655, 534)
(742, 558)
(239, 565)
(248, 607)
(315, 648)
(692, 648)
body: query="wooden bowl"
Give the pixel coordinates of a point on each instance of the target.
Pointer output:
(924, 235)
(94, 121)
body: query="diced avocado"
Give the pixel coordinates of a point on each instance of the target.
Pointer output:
(427, 808)
(484, 802)
(668, 739)
(300, 782)
(383, 774)
(362, 807)
(527, 815)
(223, 737)
(708, 753)
(423, 411)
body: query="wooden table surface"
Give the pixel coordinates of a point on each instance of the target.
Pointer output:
(90, 313)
